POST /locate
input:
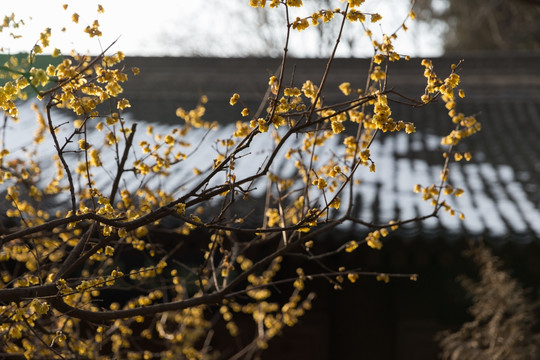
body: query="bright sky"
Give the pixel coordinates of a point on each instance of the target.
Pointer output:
(182, 27)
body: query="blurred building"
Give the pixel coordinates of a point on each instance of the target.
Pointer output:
(501, 202)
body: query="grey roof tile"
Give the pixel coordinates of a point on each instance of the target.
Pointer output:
(501, 182)
(502, 198)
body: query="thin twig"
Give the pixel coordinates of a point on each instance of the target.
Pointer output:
(61, 156)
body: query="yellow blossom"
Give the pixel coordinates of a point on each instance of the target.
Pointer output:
(273, 217)
(169, 140)
(364, 155)
(377, 59)
(109, 250)
(351, 246)
(300, 24)
(373, 240)
(345, 88)
(294, 3)
(375, 18)
(122, 104)
(354, 3)
(180, 208)
(320, 183)
(337, 127)
(335, 204)
(83, 145)
(257, 3)
(234, 99)
(410, 128)
(378, 74)
(458, 192)
(291, 91)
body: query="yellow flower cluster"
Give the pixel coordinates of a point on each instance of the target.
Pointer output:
(320, 183)
(378, 74)
(294, 3)
(325, 15)
(257, 3)
(194, 117)
(345, 88)
(336, 203)
(270, 317)
(300, 24)
(351, 246)
(93, 30)
(8, 93)
(355, 15)
(355, 3)
(261, 123)
(273, 217)
(242, 129)
(373, 239)
(375, 18)
(466, 126)
(234, 99)
(310, 90)
(127, 216)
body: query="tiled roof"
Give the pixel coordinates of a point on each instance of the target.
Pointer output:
(166, 83)
(502, 198)
(501, 183)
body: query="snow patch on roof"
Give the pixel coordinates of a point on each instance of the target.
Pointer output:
(495, 202)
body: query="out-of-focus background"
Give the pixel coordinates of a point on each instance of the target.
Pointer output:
(207, 28)
(231, 28)
(216, 47)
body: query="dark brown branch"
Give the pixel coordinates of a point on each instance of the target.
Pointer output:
(328, 65)
(22, 293)
(75, 253)
(61, 156)
(122, 163)
(211, 298)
